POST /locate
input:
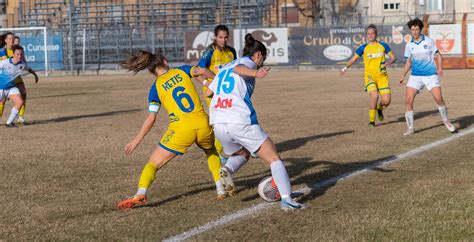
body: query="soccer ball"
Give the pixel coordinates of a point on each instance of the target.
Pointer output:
(268, 190)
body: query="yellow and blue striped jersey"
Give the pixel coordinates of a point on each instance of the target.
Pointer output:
(215, 59)
(176, 92)
(5, 53)
(374, 57)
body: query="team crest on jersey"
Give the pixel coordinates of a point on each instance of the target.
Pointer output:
(173, 118)
(218, 67)
(425, 46)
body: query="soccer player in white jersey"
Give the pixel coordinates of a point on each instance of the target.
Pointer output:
(235, 121)
(10, 69)
(426, 66)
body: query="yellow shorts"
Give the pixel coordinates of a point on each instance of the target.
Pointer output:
(178, 141)
(377, 83)
(18, 80)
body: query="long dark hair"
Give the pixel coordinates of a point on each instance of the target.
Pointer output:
(217, 29)
(252, 45)
(144, 60)
(3, 37)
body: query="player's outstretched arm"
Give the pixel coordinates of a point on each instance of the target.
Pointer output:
(392, 60)
(208, 93)
(242, 70)
(349, 64)
(203, 72)
(34, 74)
(146, 127)
(405, 70)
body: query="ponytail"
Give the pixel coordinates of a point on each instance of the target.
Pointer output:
(252, 46)
(144, 60)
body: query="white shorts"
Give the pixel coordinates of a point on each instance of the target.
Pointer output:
(6, 93)
(418, 82)
(235, 136)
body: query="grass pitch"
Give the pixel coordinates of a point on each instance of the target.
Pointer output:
(63, 175)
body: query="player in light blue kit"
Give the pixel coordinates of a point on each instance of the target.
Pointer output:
(10, 69)
(235, 120)
(426, 66)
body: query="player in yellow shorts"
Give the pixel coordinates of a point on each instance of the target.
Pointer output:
(217, 55)
(376, 80)
(188, 122)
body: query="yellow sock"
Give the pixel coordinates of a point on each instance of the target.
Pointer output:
(372, 115)
(22, 110)
(380, 107)
(148, 175)
(218, 146)
(1, 109)
(214, 164)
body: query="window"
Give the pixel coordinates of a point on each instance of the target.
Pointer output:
(434, 5)
(392, 6)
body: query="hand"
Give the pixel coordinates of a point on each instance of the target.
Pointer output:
(401, 81)
(130, 147)
(343, 71)
(262, 72)
(389, 64)
(36, 79)
(440, 72)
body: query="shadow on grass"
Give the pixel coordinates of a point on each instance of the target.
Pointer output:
(331, 170)
(69, 118)
(61, 95)
(291, 145)
(319, 182)
(463, 122)
(251, 181)
(417, 115)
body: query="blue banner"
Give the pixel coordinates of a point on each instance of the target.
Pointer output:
(34, 52)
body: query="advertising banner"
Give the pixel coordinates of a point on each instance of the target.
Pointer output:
(329, 46)
(195, 43)
(34, 52)
(447, 38)
(275, 39)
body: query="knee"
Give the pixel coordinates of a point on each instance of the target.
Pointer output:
(374, 97)
(243, 152)
(19, 103)
(439, 101)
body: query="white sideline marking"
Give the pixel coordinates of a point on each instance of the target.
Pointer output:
(264, 205)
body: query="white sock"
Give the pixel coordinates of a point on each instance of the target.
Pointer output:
(141, 191)
(13, 116)
(409, 119)
(219, 186)
(443, 111)
(235, 162)
(280, 176)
